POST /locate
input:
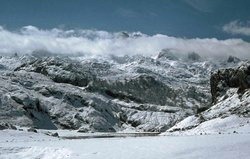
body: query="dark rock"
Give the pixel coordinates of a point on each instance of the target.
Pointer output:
(134, 123)
(124, 34)
(83, 130)
(221, 80)
(52, 134)
(7, 126)
(55, 134)
(233, 59)
(193, 56)
(154, 91)
(248, 70)
(32, 130)
(12, 127)
(201, 109)
(3, 126)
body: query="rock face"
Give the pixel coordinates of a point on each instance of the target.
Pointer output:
(230, 110)
(60, 70)
(104, 94)
(230, 78)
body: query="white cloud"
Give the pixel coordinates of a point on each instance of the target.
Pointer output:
(237, 27)
(30, 38)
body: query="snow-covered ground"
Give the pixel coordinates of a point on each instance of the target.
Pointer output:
(27, 145)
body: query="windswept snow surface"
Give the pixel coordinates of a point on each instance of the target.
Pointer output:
(24, 145)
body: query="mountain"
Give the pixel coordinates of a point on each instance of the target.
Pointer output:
(110, 93)
(230, 111)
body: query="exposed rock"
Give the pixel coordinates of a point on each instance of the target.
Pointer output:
(141, 89)
(32, 130)
(194, 56)
(3, 126)
(60, 70)
(230, 109)
(221, 80)
(233, 59)
(124, 34)
(7, 126)
(54, 134)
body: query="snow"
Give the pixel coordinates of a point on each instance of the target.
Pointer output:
(224, 127)
(227, 125)
(36, 152)
(21, 145)
(230, 114)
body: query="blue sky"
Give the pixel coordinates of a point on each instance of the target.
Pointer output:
(179, 18)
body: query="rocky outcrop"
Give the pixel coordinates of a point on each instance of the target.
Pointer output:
(230, 110)
(222, 80)
(233, 59)
(7, 126)
(60, 70)
(140, 89)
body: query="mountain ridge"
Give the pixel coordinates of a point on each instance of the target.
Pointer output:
(130, 93)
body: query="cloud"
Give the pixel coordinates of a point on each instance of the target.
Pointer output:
(93, 42)
(237, 27)
(128, 13)
(203, 5)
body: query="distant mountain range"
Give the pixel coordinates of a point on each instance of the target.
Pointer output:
(125, 93)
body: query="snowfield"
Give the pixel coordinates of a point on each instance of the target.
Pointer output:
(27, 145)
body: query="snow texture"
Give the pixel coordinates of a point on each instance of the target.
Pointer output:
(19, 145)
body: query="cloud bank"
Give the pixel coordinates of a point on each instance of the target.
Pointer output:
(30, 38)
(237, 27)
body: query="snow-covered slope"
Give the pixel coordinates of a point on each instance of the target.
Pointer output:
(133, 93)
(230, 112)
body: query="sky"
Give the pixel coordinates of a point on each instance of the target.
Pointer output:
(201, 20)
(180, 18)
